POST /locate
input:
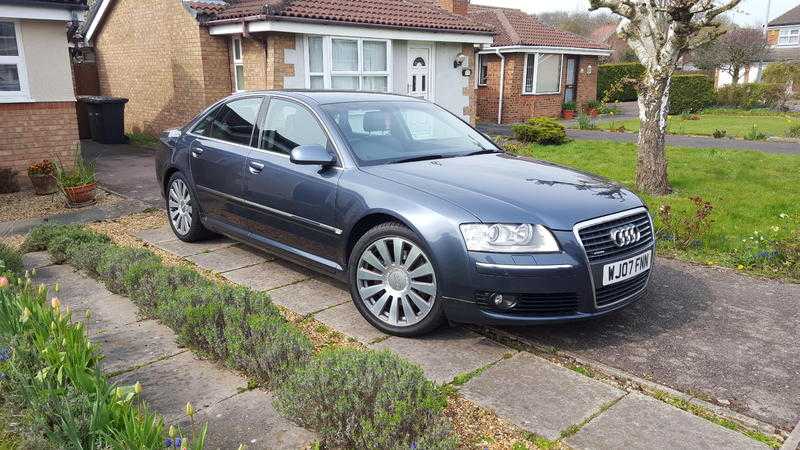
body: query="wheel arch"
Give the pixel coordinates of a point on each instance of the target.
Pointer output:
(368, 222)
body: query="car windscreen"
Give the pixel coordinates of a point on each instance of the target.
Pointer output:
(390, 132)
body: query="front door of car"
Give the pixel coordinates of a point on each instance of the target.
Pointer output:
(293, 204)
(217, 156)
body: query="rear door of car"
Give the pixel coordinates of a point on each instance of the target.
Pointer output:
(293, 205)
(218, 155)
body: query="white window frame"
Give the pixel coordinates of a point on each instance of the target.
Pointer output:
(791, 35)
(237, 62)
(327, 61)
(536, 73)
(481, 58)
(23, 94)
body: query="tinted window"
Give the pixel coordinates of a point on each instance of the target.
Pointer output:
(288, 125)
(231, 122)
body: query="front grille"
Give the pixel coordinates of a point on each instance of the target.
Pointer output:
(597, 242)
(607, 295)
(540, 305)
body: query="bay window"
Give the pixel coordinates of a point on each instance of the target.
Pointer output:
(790, 36)
(13, 79)
(348, 64)
(542, 73)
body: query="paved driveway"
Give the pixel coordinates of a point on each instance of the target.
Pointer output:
(125, 169)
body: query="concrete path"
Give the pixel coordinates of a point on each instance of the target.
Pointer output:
(787, 148)
(84, 215)
(144, 351)
(531, 392)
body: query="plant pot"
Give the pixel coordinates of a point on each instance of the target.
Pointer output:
(594, 113)
(567, 114)
(79, 196)
(43, 184)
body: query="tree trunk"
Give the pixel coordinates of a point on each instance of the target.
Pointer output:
(735, 75)
(651, 164)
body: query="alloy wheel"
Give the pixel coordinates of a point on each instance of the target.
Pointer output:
(180, 206)
(396, 281)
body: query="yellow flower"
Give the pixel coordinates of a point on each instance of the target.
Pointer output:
(740, 267)
(137, 388)
(190, 409)
(118, 392)
(172, 431)
(26, 314)
(56, 288)
(55, 303)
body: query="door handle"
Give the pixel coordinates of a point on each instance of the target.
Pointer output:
(197, 151)
(255, 167)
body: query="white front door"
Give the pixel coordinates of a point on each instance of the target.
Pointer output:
(419, 71)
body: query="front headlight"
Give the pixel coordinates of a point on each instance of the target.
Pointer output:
(508, 238)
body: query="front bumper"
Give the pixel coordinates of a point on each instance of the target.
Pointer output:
(551, 288)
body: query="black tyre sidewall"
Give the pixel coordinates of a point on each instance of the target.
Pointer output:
(197, 232)
(436, 316)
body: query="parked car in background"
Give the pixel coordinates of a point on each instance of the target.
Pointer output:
(424, 217)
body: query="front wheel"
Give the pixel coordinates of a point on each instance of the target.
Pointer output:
(393, 282)
(182, 211)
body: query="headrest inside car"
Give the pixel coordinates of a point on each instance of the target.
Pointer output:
(376, 121)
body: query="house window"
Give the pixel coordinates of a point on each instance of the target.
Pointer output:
(238, 64)
(13, 80)
(542, 73)
(790, 37)
(483, 70)
(349, 64)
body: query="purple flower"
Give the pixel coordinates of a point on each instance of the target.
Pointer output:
(413, 446)
(178, 442)
(2, 376)
(168, 442)
(5, 354)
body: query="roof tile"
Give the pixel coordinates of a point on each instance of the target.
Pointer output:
(791, 17)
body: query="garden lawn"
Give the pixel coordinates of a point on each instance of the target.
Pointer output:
(736, 126)
(750, 191)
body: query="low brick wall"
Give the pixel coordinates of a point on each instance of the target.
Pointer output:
(35, 131)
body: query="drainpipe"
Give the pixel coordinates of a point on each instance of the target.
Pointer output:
(502, 86)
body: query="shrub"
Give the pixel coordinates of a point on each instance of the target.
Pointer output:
(719, 134)
(596, 105)
(686, 229)
(10, 259)
(690, 93)
(542, 130)
(8, 180)
(794, 130)
(744, 96)
(785, 73)
(611, 81)
(777, 96)
(366, 399)
(755, 135)
(569, 106)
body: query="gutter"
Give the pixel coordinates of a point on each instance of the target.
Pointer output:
(502, 86)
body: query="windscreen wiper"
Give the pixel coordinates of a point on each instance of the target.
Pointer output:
(482, 152)
(418, 158)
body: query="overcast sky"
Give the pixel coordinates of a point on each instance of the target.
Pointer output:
(749, 12)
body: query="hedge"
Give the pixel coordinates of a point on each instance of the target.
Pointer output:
(542, 130)
(245, 331)
(691, 93)
(609, 75)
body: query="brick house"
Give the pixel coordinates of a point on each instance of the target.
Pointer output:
(536, 67)
(37, 99)
(172, 58)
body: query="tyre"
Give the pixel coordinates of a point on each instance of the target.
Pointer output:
(182, 210)
(393, 281)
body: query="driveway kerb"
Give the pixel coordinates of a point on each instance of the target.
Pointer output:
(793, 441)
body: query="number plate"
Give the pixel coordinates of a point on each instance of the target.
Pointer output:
(626, 269)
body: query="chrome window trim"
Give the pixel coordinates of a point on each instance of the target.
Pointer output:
(620, 215)
(483, 265)
(272, 210)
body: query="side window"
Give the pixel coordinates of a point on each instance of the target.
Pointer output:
(288, 125)
(203, 127)
(235, 120)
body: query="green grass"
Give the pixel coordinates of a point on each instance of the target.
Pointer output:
(750, 191)
(736, 125)
(142, 140)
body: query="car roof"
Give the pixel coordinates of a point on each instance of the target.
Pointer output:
(327, 97)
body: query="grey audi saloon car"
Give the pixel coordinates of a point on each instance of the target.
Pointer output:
(424, 217)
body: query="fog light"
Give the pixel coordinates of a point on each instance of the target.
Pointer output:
(504, 301)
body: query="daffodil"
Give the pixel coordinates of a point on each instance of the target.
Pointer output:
(55, 303)
(137, 388)
(190, 409)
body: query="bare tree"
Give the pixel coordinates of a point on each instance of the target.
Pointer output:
(660, 32)
(582, 23)
(732, 52)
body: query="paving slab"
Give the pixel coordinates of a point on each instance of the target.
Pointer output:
(229, 258)
(447, 352)
(250, 419)
(36, 260)
(347, 320)
(269, 275)
(136, 345)
(171, 383)
(641, 422)
(156, 235)
(539, 396)
(311, 295)
(183, 249)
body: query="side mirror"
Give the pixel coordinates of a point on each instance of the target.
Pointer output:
(312, 155)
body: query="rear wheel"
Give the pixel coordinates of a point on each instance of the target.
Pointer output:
(182, 210)
(393, 281)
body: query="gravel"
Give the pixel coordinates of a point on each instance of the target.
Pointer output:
(27, 205)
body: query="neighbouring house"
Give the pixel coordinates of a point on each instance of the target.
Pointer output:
(620, 50)
(37, 100)
(783, 37)
(531, 68)
(172, 58)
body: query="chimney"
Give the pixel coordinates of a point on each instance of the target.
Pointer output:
(459, 7)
